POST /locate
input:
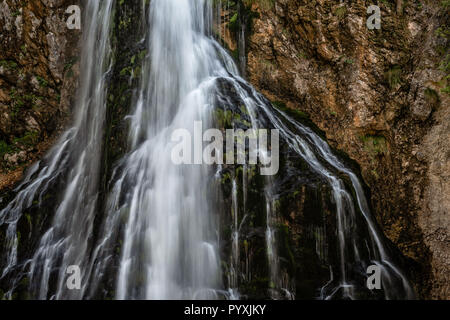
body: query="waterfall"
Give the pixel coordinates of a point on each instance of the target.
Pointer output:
(169, 238)
(72, 167)
(160, 234)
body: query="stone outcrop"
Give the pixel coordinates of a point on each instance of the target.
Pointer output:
(38, 80)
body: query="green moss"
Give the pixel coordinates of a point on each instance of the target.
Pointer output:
(431, 96)
(348, 61)
(5, 148)
(243, 109)
(302, 55)
(226, 178)
(30, 138)
(8, 64)
(42, 81)
(446, 90)
(374, 145)
(19, 237)
(442, 32)
(386, 3)
(340, 12)
(126, 71)
(298, 114)
(28, 217)
(224, 118)
(233, 25)
(68, 66)
(279, 104)
(375, 174)
(235, 54)
(393, 76)
(124, 23)
(444, 66)
(283, 231)
(142, 54)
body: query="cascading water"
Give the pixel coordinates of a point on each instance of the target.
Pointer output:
(169, 215)
(72, 167)
(166, 218)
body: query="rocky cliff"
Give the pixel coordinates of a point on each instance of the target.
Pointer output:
(381, 96)
(38, 79)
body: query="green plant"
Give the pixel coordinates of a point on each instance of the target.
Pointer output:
(442, 32)
(224, 118)
(348, 61)
(8, 64)
(302, 55)
(374, 145)
(394, 76)
(4, 148)
(431, 96)
(68, 66)
(30, 138)
(340, 12)
(42, 81)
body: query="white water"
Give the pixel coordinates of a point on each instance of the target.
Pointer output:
(76, 160)
(170, 235)
(162, 214)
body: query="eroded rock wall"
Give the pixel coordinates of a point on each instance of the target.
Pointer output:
(39, 59)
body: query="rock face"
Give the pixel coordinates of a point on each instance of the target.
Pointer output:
(38, 79)
(381, 96)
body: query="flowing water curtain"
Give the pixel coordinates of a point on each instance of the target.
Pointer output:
(170, 246)
(68, 241)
